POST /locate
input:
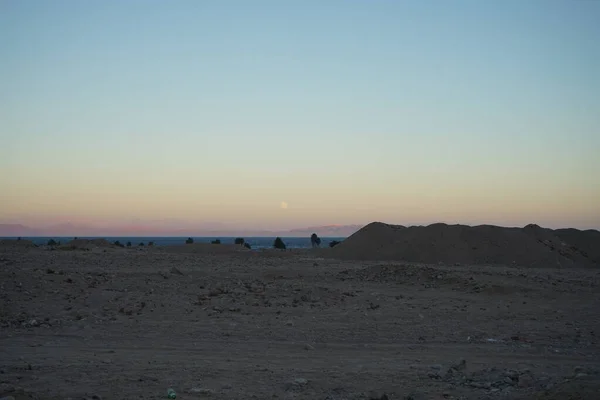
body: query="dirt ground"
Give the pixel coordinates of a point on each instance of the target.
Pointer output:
(131, 323)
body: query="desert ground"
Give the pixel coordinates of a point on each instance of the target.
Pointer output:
(113, 323)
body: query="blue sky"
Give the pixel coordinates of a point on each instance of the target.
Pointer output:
(348, 111)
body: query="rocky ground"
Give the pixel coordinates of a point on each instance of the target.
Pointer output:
(130, 323)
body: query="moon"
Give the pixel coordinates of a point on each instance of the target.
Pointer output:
(283, 205)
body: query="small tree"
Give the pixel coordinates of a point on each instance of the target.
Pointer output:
(239, 241)
(150, 243)
(141, 244)
(128, 244)
(117, 243)
(278, 244)
(216, 241)
(52, 242)
(334, 243)
(247, 245)
(189, 241)
(315, 241)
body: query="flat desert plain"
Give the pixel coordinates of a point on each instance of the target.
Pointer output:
(114, 323)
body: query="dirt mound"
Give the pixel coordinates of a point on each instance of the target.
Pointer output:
(86, 244)
(484, 244)
(16, 244)
(206, 248)
(588, 241)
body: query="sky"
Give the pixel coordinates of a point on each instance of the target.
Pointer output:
(282, 114)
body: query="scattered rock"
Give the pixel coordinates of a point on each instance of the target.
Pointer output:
(297, 384)
(434, 375)
(176, 271)
(525, 381)
(290, 323)
(308, 347)
(377, 396)
(7, 398)
(460, 366)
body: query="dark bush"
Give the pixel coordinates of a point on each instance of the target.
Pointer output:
(240, 241)
(278, 244)
(150, 243)
(141, 244)
(216, 241)
(334, 243)
(315, 241)
(117, 243)
(247, 245)
(189, 241)
(128, 244)
(52, 242)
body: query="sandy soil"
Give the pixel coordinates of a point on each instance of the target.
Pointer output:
(130, 323)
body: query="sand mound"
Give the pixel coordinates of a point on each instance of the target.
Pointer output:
(86, 244)
(206, 248)
(16, 244)
(485, 244)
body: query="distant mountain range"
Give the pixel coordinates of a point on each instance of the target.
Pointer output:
(68, 229)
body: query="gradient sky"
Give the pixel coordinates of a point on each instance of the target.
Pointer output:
(350, 111)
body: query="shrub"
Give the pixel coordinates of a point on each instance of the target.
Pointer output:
(128, 244)
(240, 241)
(150, 243)
(117, 243)
(278, 244)
(216, 241)
(141, 244)
(315, 241)
(189, 241)
(247, 245)
(334, 243)
(52, 242)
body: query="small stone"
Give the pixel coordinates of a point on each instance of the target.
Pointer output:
(525, 381)
(7, 398)
(460, 366)
(176, 271)
(436, 367)
(300, 381)
(581, 375)
(34, 322)
(433, 375)
(290, 323)
(308, 347)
